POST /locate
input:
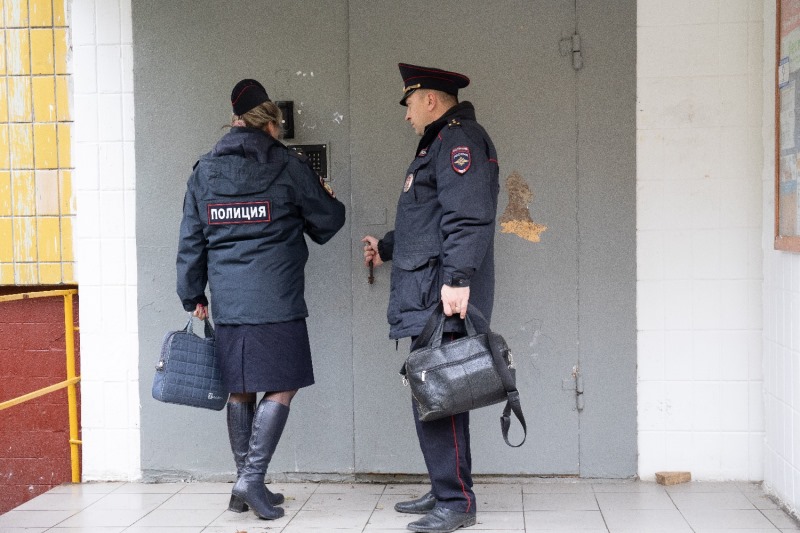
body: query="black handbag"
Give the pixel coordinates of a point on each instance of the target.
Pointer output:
(187, 373)
(465, 374)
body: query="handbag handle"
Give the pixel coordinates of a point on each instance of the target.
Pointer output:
(432, 336)
(208, 330)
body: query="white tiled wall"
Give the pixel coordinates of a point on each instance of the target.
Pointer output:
(105, 239)
(781, 318)
(699, 202)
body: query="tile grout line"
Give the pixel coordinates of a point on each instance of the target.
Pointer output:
(599, 508)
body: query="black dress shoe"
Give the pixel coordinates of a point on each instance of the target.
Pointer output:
(421, 505)
(442, 520)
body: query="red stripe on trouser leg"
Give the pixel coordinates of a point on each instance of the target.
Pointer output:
(458, 465)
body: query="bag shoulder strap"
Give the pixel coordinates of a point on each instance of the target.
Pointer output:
(512, 403)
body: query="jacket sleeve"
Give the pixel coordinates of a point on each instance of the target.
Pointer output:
(323, 214)
(192, 255)
(386, 246)
(469, 204)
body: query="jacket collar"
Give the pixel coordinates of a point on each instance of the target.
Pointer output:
(463, 110)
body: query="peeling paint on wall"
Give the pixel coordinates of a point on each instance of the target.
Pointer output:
(516, 218)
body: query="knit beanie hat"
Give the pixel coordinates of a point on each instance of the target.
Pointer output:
(246, 95)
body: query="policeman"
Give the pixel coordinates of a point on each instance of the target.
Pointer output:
(442, 248)
(248, 205)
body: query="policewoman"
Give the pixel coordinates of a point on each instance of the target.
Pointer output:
(442, 248)
(249, 202)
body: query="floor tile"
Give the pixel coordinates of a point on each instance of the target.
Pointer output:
(500, 521)
(781, 520)
(645, 520)
(207, 488)
(293, 489)
(49, 501)
(704, 486)
(33, 518)
(565, 530)
(82, 529)
(329, 520)
(179, 517)
(550, 506)
(291, 528)
(628, 486)
(169, 529)
(634, 500)
(130, 501)
(104, 518)
(497, 488)
(350, 488)
(560, 502)
(414, 489)
(341, 502)
(149, 488)
(249, 522)
(761, 500)
(499, 501)
(87, 488)
(563, 520)
(228, 529)
(726, 518)
(388, 518)
(197, 501)
(729, 530)
(711, 500)
(559, 488)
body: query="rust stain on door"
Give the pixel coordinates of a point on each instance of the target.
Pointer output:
(516, 218)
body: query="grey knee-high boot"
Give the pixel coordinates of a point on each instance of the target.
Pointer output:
(268, 423)
(240, 426)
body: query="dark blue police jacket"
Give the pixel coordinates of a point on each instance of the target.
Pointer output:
(247, 205)
(444, 229)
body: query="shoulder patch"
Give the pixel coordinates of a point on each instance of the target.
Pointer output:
(454, 123)
(327, 187)
(460, 159)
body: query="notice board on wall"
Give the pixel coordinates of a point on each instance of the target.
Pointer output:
(787, 126)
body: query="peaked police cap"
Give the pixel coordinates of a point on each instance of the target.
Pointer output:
(416, 77)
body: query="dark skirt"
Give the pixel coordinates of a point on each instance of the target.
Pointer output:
(264, 357)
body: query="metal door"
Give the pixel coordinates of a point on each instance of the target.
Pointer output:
(525, 94)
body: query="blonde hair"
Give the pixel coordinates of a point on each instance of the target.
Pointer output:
(260, 116)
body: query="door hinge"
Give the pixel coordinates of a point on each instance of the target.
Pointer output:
(572, 46)
(575, 382)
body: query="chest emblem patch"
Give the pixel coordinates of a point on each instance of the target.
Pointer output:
(409, 181)
(460, 159)
(239, 213)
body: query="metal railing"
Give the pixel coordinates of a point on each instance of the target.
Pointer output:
(72, 379)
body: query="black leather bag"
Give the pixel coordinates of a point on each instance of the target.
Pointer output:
(465, 374)
(187, 373)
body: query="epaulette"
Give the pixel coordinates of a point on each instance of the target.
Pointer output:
(454, 123)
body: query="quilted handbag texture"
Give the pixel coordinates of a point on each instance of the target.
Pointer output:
(187, 373)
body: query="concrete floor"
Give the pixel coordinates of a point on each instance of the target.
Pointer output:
(531, 505)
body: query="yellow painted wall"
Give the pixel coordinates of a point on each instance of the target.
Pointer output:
(37, 207)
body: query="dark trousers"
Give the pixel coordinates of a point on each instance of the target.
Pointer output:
(445, 447)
